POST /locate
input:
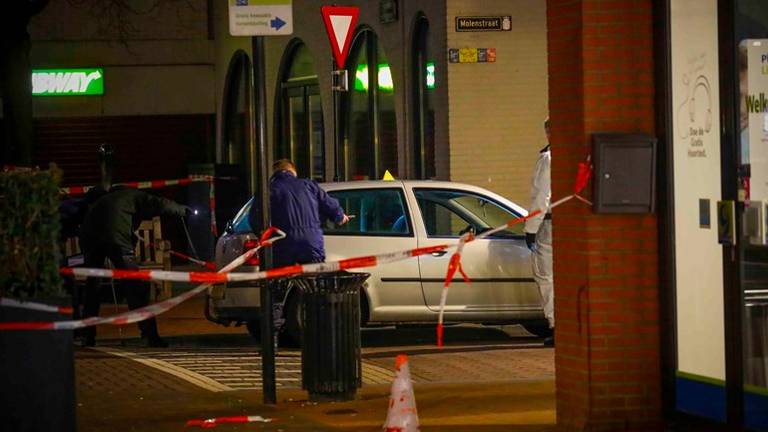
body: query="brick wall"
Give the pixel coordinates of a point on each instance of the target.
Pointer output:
(606, 266)
(497, 110)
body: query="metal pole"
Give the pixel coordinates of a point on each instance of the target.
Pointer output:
(267, 326)
(336, 126)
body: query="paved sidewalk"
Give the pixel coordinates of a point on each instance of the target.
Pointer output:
(117, 394)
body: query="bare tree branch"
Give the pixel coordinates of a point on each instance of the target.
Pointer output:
(114, 16)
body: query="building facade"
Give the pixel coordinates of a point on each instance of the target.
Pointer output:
(479, 122)
(157, 109)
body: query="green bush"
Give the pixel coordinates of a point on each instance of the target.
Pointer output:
(29, 233)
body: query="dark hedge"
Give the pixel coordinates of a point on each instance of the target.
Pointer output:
(29, 233)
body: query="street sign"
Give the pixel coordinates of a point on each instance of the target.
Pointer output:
(68, 82)
(340, 23)
(484, 23)
(260, 17)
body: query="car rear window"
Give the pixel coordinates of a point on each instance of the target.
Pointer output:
(375, 212)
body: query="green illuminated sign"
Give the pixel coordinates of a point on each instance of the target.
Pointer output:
(385, 77)
(430, 78)
(67, 82)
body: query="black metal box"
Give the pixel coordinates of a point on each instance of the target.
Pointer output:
(625, 173)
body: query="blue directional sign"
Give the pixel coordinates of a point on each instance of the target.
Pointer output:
(260, 17)
(276, 23)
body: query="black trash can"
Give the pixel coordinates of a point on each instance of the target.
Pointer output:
(330, 355)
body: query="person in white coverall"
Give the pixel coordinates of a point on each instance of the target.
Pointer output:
(538, 233)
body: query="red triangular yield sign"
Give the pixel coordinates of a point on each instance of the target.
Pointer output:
(340, 23)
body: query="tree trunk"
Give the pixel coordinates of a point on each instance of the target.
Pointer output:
(16, 137)
(16, 78)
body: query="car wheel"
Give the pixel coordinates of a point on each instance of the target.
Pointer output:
(254, 328)
(538, 328)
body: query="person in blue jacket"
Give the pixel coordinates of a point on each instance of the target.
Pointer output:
(299, 207)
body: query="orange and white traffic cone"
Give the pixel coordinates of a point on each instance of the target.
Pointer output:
(402, 415)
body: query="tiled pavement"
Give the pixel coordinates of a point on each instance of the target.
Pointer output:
(239, 368)
(490, 365)
(227, 369)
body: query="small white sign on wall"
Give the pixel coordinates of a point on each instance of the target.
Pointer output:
(260, 17)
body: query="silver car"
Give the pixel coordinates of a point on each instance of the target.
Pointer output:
(397, 215)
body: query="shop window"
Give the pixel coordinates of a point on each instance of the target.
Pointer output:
(423, 102)
(370, 128)
(301, 115)
(237, 109)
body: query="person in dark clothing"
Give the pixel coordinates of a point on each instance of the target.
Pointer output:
(72, 211)
(71, 215)
(108, 232)
(299, 207)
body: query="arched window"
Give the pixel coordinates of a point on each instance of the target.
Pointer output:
(370, 128)
(300, 112)
(237, 109)
(423, 95)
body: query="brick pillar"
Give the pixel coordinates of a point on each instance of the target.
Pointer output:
(606, 266)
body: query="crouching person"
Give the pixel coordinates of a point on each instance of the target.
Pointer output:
(108, 232)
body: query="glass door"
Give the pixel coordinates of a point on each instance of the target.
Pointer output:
(753, 200)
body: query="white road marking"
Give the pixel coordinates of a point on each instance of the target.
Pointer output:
(229, 370)
(187, 375)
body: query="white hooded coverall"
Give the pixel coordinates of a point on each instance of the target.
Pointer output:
(541, 225)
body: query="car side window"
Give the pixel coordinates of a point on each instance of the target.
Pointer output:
(439, 220)
(376, 212)
(450, 213)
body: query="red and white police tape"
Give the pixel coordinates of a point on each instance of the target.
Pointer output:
(147, 311)
(16, 168)
(583, 174)
(213, 422)
(150, 184)
(8, 302)
(454, 264)
(212, 206)
(201, 263)
(292, 270)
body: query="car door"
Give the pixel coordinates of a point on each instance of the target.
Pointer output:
(499, 267)
(380, 222)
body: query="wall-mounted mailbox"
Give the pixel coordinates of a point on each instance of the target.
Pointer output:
(625, 172)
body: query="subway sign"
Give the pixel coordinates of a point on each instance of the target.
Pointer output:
(68, 82)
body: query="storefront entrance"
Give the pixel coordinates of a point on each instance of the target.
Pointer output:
(719, 191)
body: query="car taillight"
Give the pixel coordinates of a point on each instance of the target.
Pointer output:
(248, 245)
